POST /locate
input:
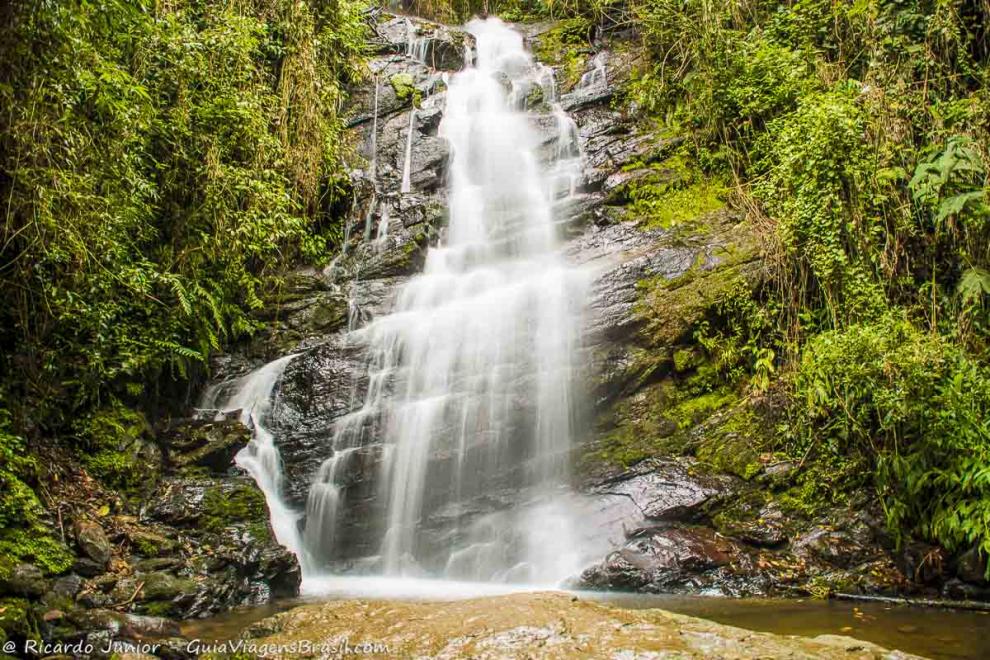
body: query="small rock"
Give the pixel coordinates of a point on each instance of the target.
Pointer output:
(67, 586)
(93, 541)
(26, 580)
(52, 615)
(87, 567)
(972, 567)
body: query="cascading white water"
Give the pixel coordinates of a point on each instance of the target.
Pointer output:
(470, 376)
(251, 396)
(598, 75)
(406, 185)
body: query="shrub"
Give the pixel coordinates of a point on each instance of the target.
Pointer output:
(888, 398)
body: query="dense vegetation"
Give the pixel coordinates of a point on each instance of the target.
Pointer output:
(856, 134)
(161, 163)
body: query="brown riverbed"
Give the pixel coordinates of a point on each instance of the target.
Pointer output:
(928, 632)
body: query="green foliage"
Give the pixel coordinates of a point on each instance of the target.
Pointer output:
(859, 132)
(116, 445)
(816, 166)
(160, 163)
(914, 405)
(23, 536)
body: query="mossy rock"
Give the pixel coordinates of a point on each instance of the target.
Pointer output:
(36, 545)
(242, 504)
(655, 421)
(733, 442)
(405, 88)
(210, 445)
(16, 619)
(164, 586)
(566, 47)
(151, 544)
(671, 308)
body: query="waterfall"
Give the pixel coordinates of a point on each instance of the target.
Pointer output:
(598, 75)
(383, 221)
(251, 396)
(406, 182)
(373, 164)
(415, 45)
(470, 377)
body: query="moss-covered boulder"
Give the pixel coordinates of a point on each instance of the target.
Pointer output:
(207, 444)
(230, 555)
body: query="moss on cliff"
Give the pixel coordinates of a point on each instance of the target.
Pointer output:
(566, 48)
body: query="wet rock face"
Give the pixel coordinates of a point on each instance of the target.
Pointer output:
(676, 559)
(231, 555)
(441, 47)
(666, 490)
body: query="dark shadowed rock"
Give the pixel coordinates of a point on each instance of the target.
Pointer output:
(25, 580)
(972, 567)
(209, 444)
(667, 560)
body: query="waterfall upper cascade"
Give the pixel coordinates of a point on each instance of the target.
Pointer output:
(470, 399)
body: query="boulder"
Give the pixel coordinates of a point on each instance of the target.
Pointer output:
(25, 580)
(665, 560)
(93, 541)
(210, 444)
(667, 489)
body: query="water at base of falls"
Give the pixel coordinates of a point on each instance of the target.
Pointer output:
(470, 406)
